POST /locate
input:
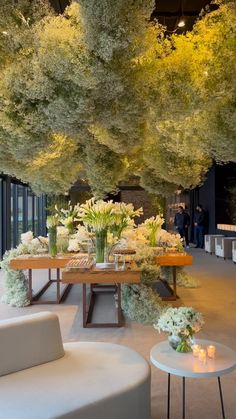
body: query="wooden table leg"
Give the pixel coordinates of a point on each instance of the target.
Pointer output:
(58, 286)
(30, 286)
(84, 305)
(119, 311)
(174, 281)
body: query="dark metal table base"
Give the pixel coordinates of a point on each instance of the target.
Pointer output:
(60, 296)
(88, 308)
(183, 398)
(173, 291)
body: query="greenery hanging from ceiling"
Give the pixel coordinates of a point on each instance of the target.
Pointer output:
(101, 93)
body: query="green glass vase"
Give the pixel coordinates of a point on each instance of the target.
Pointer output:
(52, 240)
(101, 242)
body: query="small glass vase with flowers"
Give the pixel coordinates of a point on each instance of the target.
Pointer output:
(181, 324)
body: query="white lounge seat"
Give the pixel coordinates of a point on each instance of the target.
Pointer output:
(223, 247)
(40, 378)
(210, 242)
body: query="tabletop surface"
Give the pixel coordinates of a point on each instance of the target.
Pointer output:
(164, 357)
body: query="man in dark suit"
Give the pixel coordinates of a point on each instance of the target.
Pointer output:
(199, 222)
(182, 222)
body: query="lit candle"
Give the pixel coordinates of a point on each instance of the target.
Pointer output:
(196, 349)
(211, 351)
(202, 355)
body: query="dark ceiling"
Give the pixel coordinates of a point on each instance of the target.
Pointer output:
(167, 12)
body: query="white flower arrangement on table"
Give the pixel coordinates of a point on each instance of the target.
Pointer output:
(165, 239)
(153, 224)
(27, 237)
(182, 322)
(97, 215)
(123, 215)
(34, 244)
(53, 221)
(62, 232)
(68, 216)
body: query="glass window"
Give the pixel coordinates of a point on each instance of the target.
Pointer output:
(36, 216)
(30, 210)
(20, 211)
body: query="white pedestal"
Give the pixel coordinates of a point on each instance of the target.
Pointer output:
(223, 247)
(210, 242)
(234, 251)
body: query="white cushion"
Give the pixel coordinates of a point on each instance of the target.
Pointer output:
(92, 381)
(29, 340)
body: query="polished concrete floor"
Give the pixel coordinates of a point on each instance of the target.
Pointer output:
(215, 298)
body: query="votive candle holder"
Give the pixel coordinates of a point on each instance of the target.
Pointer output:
(202, 355)
(211, 351)
(196, 349)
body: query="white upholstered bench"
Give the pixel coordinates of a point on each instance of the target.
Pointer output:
(42, 378)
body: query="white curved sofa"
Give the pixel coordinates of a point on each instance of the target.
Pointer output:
(40, 378)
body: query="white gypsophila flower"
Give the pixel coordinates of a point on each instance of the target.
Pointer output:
(27, 237)
(82, 234)
(180, 321)
(73, 246)
(62, 231)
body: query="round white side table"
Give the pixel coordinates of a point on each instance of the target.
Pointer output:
(186, 365)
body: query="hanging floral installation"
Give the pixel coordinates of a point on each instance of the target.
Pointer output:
(100, 92)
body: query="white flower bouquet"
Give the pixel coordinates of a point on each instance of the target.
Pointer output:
(153, 224)
(123, 215)
(96, 214)
(182, 322)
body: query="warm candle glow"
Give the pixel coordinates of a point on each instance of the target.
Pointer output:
(202, 355)
(196, 349)
(211, 351)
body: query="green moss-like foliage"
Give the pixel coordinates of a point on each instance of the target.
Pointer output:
(100, 93)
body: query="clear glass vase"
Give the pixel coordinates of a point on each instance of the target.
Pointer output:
(181, 343)
(101, 242)
(52, 240)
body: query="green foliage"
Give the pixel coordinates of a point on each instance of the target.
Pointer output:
(100, 93)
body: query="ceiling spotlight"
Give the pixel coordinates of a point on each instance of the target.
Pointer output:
(181, 23)
(5, 33)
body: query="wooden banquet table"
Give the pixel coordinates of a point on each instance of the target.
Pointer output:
(173, 260)
(101, 281)
(31, 262)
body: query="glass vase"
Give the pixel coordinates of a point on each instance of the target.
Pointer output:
(101, 241)
(52, 240)
(152, 239)
(181, 343)
(71, 228)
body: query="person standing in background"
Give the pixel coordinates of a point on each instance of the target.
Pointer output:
(182, 222)
(199, 223)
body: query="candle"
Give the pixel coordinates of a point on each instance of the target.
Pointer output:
(202, 355)
(196, 349)
(211, 351)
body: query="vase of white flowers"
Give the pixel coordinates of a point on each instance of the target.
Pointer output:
(100, 245)
(181, 324)
(153, 224)
(52, 223)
